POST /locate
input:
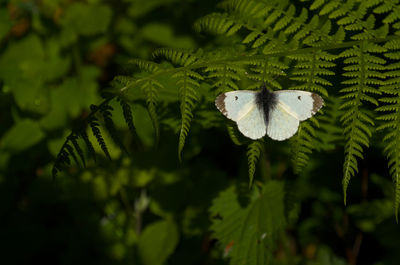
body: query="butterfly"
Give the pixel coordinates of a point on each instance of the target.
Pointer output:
(275, 113)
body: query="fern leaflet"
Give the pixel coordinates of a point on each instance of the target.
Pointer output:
(187, 84)
(105, 110)
(73, 138)
(363, 72)
(88, 143)
(303, 144)
(127, 112)
(150, 89)
(330, 133)
(391, 125)
(254, 150)
(94, 125)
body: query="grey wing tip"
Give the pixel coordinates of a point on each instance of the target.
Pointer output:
(220, 103)
(318, 102)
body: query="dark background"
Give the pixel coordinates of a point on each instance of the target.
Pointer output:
(56, 57)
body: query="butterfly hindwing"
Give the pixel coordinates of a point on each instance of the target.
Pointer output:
(253, 124)
(281, 124)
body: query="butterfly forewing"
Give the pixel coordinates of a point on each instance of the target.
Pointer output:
(236, 104)
(300, 104)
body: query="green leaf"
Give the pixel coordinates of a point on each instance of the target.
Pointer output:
(87, 19)
(21, 136)
(251, 229)
(65, 103)
(157, 242)
(26, 66)
(20, 68)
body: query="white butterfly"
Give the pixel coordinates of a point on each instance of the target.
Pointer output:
(277, 113)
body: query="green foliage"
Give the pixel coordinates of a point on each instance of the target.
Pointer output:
(141, 206)
(303, 144)
(391, 118)
(363, 72)
(330, 133)
(86, 20)
(254, 150)
(127, 111)
(305, 42)
(94, 125)
(157, 242)
(248, 233)
(21, 136)
(187, 84)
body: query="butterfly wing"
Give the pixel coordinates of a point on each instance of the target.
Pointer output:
(300, 104)
(240, 106)
(292, 106)
(281, 124)
(253, 124)
(236, 104)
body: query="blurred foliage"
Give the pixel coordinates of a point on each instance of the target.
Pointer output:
(57, 57)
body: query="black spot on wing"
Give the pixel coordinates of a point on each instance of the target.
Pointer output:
(299, 97)
(236, 98)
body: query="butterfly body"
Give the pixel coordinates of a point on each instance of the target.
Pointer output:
(276, 114)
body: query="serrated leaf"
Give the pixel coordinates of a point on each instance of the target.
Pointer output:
(251, 229)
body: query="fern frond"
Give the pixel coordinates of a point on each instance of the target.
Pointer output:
(234, 134)
(150, 89)
(88, 143)
(266, 70)
(310, 68)
(66, 151)
(362, 68)
(217, 23)
(330, 132)
(124, 80)
(145, 65)
(187, 85)
(247, 11)
(182, 57)
(62, 159)
(73, 138)
(391, 116)
(94, 125)
(105, 110)
(356, 18)
(72, 153)
(254, 150)
(127, 112)
(390, 7)
(303, 144)
(225, 75)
